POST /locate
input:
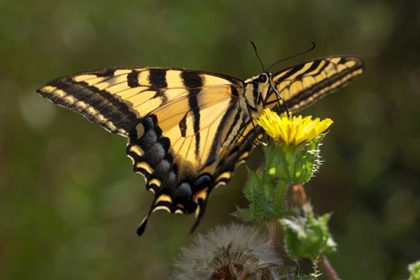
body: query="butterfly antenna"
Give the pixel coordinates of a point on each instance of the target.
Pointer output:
(256, 53)
(281, 60)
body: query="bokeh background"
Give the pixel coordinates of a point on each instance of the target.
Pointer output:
(69, 201)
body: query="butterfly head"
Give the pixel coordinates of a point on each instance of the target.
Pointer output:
(256, 92)
(265, 84)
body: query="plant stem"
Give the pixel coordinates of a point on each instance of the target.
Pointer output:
(280, 195)
(271, 236)
(271, 233)
(328, 269)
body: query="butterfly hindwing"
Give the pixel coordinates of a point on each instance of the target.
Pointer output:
(187, 130)
(178, 147)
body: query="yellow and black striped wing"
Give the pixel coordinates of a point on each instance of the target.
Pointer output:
(305, 83)
(175, 120)
(117, 97)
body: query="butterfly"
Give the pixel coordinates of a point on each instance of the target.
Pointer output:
(188, 130)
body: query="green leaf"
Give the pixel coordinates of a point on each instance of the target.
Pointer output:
(307, 237)
(414, 269)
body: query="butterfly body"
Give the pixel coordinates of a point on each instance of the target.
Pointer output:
(187, 130)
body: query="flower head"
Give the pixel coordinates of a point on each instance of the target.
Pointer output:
(291, 130)
(226, 251)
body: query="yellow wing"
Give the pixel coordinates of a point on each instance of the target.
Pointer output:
(303, 84)
(117, 97)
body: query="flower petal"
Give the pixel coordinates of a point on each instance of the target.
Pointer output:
(291, 130)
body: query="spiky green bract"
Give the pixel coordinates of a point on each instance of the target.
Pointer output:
(294, 164)
(307, 161)
(266, 188)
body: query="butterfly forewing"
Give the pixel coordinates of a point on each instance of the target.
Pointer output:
(303, 84)
(188, 130)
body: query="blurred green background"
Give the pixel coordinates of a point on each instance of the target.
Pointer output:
(69, 201)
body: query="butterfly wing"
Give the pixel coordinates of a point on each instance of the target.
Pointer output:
(98, 96)
(303, 84)
(176, 121)
(117, 97)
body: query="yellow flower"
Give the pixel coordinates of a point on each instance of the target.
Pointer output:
(291, 130)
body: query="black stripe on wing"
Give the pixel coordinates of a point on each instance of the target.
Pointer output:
(96, 105)
(322, 77)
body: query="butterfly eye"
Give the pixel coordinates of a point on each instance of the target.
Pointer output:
(262, 78)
